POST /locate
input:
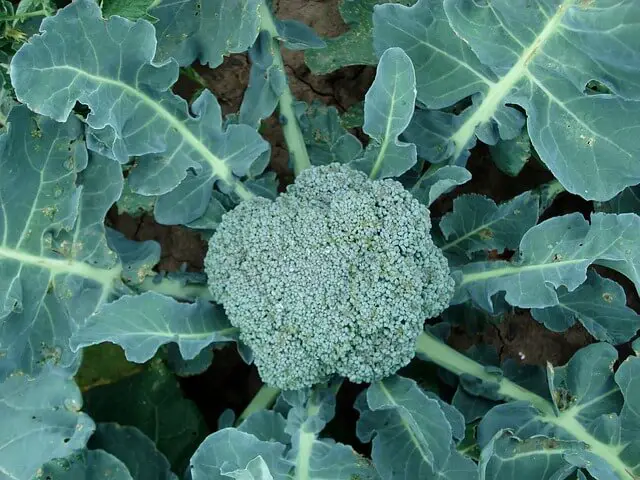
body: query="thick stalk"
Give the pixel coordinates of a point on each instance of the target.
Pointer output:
(290, 126)
(457, 363)
(175, 288)
(263, 400)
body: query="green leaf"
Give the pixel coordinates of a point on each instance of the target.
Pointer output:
(429, 130)
(133, 203)
(103, 364)
(538, 55)
(230, 450)
(134, 449)
(7, 102)
(40, 421)
(314, 457)
(326, 139)
(266, 83)
(141, 324)
(477, 223)
(510, 156)
(206, 31)
(413, 434)
(256, 469)
(55, 264)
(599, 304)
(438, 181)
(552, 254)
(149, 121)
(388, 108)
(187, 368)
(354, 116)
(27, 6)
(508, 457)
(355, 47)
(152, 402)
(297, 35)
(267, 425)
(86, 465)
(627, 201)
(218, 206)
(131, 9)
(592, 406)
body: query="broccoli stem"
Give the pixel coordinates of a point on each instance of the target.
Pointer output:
(263, 400)
(174, 288)
(290, 126)
(454, 361)
(446, 357)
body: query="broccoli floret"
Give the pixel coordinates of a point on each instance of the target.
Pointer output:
(336, 276)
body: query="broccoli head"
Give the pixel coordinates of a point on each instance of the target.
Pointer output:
(336, 276)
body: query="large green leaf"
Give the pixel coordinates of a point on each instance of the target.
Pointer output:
(290, 448)
(588, 416)
(40, 421)
(508, 457)
(108, 66)
(414, 433)
(593, 408)
(539, 55)
(152, 402)
(477, 223)
(206, 31)
(438, 181)
(86, 465)
(266, 83)
(55, 265)
(141, 324)
(314, 457)
(599, 304)
(134, 449)
(388, 108)
(229, 450)
(555, 253)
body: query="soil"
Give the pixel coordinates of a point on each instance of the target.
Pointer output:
(229, 383)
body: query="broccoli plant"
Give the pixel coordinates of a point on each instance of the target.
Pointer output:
(344, 284)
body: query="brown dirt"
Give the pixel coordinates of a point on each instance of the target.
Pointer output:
(179, 245)
(340, 89)
(523, 339)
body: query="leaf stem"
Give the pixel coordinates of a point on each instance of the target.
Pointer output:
(23, 16)
(457, 363)
(191, 74)
(262, 400)
(289, 120)
(454, 361)
(175, 288)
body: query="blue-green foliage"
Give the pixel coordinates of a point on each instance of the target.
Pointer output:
(540, 55)
(336, 276)
(288, 441)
